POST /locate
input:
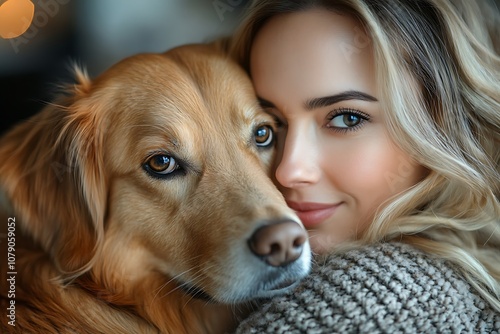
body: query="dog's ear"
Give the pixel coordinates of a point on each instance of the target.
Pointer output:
(51, 174)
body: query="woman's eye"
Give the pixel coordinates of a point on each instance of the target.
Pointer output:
(347, 119)
(264, 136)
(162, 164)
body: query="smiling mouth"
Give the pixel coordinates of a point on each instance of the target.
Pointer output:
(313, 214)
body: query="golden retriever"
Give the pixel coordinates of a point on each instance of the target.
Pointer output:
(140, 203)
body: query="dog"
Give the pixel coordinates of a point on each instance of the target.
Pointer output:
(140, 202)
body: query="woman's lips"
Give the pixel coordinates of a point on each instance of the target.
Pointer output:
(313, 214)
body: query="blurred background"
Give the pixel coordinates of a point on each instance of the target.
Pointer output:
(97, 34)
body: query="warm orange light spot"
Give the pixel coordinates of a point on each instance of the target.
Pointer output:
(15, 17)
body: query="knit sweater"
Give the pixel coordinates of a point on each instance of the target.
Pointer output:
(385, 288)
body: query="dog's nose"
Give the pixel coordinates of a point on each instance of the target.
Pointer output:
(279, 243)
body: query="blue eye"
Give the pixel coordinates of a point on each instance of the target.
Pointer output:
(264, 136)
(346, 119)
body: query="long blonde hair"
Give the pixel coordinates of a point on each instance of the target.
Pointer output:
(438, 66)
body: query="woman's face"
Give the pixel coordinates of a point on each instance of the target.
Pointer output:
(314, 71)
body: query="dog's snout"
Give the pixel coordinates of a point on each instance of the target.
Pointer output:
(278, 243)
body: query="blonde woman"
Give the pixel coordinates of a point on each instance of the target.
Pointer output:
(389, 151)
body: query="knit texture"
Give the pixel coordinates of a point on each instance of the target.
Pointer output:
(385, 288)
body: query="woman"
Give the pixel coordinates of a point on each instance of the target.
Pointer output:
(388, 118)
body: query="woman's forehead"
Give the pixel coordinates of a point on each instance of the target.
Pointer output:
(313, 53)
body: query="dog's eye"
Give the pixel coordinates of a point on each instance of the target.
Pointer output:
(264, 136)
(162, 164)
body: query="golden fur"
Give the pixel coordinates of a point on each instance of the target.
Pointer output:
(103, 246)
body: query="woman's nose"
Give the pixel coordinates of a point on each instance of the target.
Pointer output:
(299, 163)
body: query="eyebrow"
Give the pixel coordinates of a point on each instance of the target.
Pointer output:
(326, 101)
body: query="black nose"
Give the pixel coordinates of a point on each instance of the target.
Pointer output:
(278, 243)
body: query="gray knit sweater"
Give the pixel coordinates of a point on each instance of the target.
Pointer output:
(387, 288)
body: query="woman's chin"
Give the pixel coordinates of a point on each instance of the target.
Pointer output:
(322, 243)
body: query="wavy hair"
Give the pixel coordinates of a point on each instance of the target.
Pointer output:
(438, 66)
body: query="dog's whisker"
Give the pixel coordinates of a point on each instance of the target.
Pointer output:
(177, 276)
(159, 289)
(187, 283)
(190, 289)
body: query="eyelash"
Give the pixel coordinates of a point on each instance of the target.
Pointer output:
(347, 111)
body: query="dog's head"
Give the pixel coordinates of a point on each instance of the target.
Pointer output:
(159, 165)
